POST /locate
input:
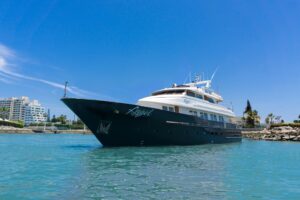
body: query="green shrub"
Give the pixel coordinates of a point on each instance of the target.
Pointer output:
(17, 124)
(67, 126)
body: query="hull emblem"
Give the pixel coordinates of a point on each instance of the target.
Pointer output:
(104, 127)
(139, 112)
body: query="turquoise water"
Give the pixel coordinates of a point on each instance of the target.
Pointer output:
(76, 167)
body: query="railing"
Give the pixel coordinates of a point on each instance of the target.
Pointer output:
(216, 124)
(207, 123)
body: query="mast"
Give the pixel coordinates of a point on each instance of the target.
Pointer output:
(65, 90)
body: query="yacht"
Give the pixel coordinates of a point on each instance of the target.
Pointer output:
(186, 114)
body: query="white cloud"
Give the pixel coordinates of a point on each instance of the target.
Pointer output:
(7, 56)
(6, 52)
(4, 80)
(2, 63)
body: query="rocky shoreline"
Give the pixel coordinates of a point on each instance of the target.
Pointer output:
(13, 130)
(8, 129)
(284, 133)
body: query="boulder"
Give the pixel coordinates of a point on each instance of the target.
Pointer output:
(292, 137)
(285, 136)
(297, 138)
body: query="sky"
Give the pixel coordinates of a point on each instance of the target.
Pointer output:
(124, 50)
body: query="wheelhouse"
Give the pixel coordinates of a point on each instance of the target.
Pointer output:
(188, 93)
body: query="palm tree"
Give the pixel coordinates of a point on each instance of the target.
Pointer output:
(270, 118)
(256, 117)
(4, 112)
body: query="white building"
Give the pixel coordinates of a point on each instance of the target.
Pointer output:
(34, 113)
(22, 109)
(13, 108)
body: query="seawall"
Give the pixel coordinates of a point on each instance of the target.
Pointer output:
(284, 133)
(13, 130)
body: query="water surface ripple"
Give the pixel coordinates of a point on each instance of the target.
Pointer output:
(77, 167)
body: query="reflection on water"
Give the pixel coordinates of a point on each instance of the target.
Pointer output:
(76, 167)
(154, 172)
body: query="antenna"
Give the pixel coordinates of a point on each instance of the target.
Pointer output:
(65, 92)
(197, 78)
(213, 75)
(231, 105)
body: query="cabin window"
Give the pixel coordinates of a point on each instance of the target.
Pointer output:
(166, 108)
(176, 92)
(209, 99)
(168, 92)
(213, 117)
(202, 115)
(176, 109)
(205, 116)
(171, 109)
(192, 112)
(189, 93)
(199, 96)
(221, 118)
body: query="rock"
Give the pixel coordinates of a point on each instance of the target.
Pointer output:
(297, 138)
(284, 133)
(266, 131)
(292, 137)
(277, 138)
(286, 137)
(269, 139)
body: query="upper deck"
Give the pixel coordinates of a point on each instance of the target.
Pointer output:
(194, 98)
(192, 91)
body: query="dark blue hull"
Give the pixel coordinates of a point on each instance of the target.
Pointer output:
(119, 124)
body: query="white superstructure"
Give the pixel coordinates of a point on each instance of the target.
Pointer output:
(194, 98)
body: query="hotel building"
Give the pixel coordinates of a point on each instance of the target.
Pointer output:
(22, 109)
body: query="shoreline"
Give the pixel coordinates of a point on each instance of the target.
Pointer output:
(275, 134)
(12, 130)
(283, 133)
